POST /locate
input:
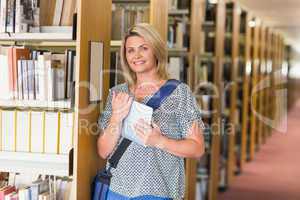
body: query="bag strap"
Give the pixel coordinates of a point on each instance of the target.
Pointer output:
(154, 102)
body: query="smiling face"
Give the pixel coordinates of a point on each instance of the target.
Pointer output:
(139, 55)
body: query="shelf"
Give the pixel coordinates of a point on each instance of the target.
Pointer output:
(131, 1)
(36, 104)
(115, 43)
(54, 37)
(48, 164)
(179, 12)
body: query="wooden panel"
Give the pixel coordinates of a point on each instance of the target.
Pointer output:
(197, 17)
(253, 99)
(246, 83)
(260, 80)
(216, 120)
(91, 27)
(267, 79)
(233, 92)
(197, 6)
(159, 17)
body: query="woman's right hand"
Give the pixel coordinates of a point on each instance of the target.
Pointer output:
(121, 103)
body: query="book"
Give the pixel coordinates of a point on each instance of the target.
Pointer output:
(137, 111)
(8, 130)
(37, 126)
(69, 7)
(66, 133)
(51, 133)
(57, 12)
(23, 135)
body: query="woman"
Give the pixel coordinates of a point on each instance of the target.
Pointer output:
(154, 170)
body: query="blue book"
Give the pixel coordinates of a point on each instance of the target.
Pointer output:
(137, 111)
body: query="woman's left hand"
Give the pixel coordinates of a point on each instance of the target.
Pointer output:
(150, 136)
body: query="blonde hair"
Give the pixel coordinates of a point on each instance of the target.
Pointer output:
(159, 47)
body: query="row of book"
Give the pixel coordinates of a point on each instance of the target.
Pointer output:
(36, 132)
(178, 4)
(178, 32)
(36, 75)
(124, 16)
(19, 16)
(24, 187)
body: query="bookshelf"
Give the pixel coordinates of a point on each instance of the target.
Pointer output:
(254, 80)
(256, 53)
(234, 12)
(83, 167)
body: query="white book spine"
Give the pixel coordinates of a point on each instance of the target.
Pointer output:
(20, 80)
(30, 67)
(51, 132)
(66, 132)
(58, 12)
(37, 131)
(3, 16)
(59, 84)
(36, 81)
(8, 130)
(25, 79)
(23, 135)
(4, 78)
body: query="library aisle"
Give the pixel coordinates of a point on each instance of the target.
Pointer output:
(274, 174)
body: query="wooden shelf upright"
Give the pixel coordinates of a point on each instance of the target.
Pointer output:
(231, 160)
(260, 80)
(253, 95)
(247, 64)
(91, 27)
(216, 102)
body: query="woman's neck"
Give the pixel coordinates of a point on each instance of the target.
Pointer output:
(143, 79)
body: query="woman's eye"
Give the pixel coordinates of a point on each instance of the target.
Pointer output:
(145, 48)
(130, 51)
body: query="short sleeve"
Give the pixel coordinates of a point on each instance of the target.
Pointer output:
(189, 111)
(107, 112)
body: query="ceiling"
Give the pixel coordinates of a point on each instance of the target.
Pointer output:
(282, 15)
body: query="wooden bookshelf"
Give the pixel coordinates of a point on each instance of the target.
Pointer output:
(216, 103)
(254, 81)
(236, 11)
(247, 64)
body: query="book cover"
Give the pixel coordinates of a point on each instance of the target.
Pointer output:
(137, 111)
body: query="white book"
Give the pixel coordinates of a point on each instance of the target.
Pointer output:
(51, 132)
(36, 132)
(66, 132)
(8, 130)
(23, 135)
(44, 61)
(174, 68)
(30, 74)
(137, 111)
(20, 81)
(57, 12)
(59, 83)
(4, 78)
(3, 16)
(36, 81)
(25, 79)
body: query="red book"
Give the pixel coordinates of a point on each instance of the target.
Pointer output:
(5, 191)
(17, 54)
